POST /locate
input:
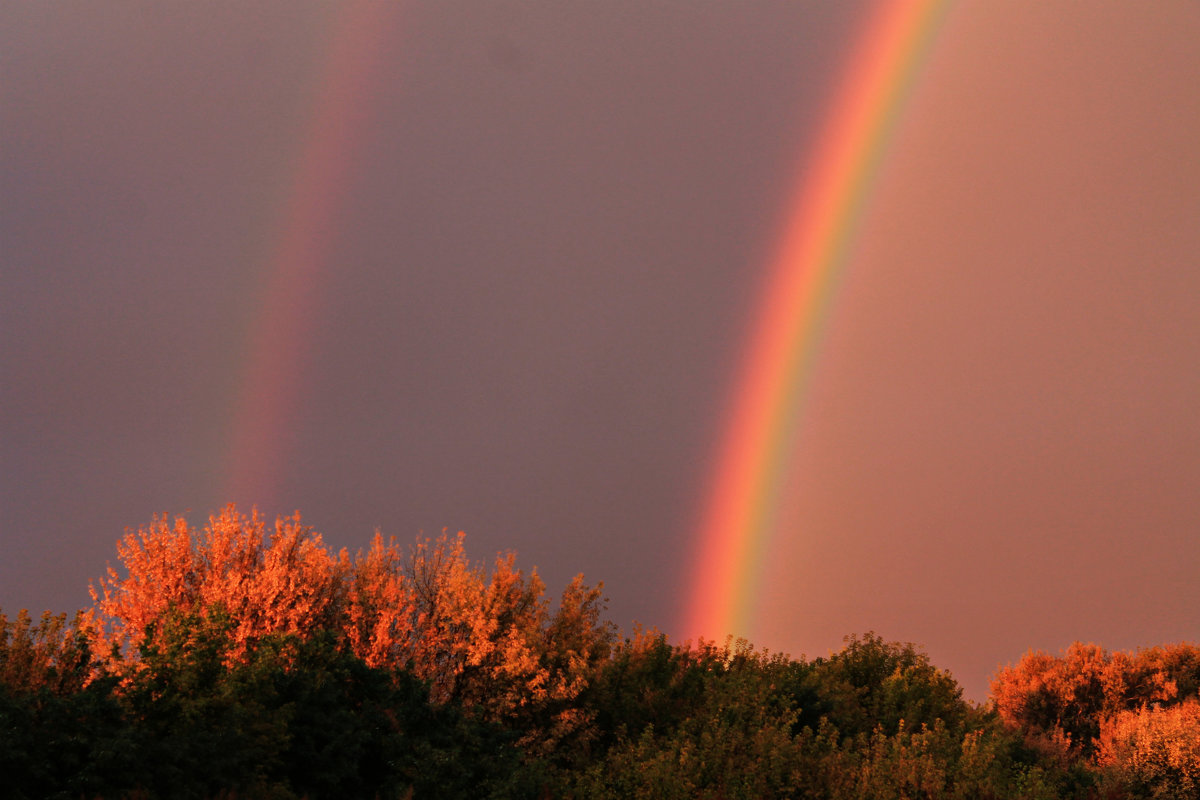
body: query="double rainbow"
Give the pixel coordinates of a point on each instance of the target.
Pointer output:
(736, 526)
(737, 522)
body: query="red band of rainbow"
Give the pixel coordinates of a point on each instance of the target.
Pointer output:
(279, 334)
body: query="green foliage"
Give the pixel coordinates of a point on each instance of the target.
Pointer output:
(646, 682)
(62, 733)
(291, 717)
(722, 730)
(873, 684)
(299, 717)
(201, 727)
(875, 720)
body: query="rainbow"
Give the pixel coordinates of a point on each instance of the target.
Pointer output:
(270, 382)
(812, 250)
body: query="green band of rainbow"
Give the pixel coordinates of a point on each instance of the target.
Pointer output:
(737, 522)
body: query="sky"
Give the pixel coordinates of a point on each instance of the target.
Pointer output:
(495, 267)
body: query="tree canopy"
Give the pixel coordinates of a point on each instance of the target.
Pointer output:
(241, 659)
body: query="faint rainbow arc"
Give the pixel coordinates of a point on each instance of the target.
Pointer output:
(270, 379)
(803, 274)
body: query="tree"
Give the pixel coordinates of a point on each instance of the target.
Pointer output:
(646, 682)
(1153, 752)
(285, 583)
(380, 605)
(483, 641)
(491, 643)
(723, 730)
(196, 731)
(871, 683)
(1059, 702)
(50, 654)
(62, 730)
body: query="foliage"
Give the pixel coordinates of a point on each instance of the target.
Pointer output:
(50, 654)
(723, 732)
(487, 641)
(241, 661)
(199, 728)
(1060, 702)
(873, 684)
(492, 644)
(1153, 752)
(648, 682)
(286, 582)
(62, 733)
(727, 722)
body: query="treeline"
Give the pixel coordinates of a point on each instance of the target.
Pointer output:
(242, 661)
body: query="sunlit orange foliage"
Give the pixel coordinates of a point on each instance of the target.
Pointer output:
(284, 583)
(479, 639)
(288, 583)
(379, 605)
(1154, 752)
(1059, 701)
(486, 639)
(1180, 663)
(162, 566)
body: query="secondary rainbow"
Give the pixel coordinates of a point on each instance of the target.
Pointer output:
(812, 250)
(299, 253)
